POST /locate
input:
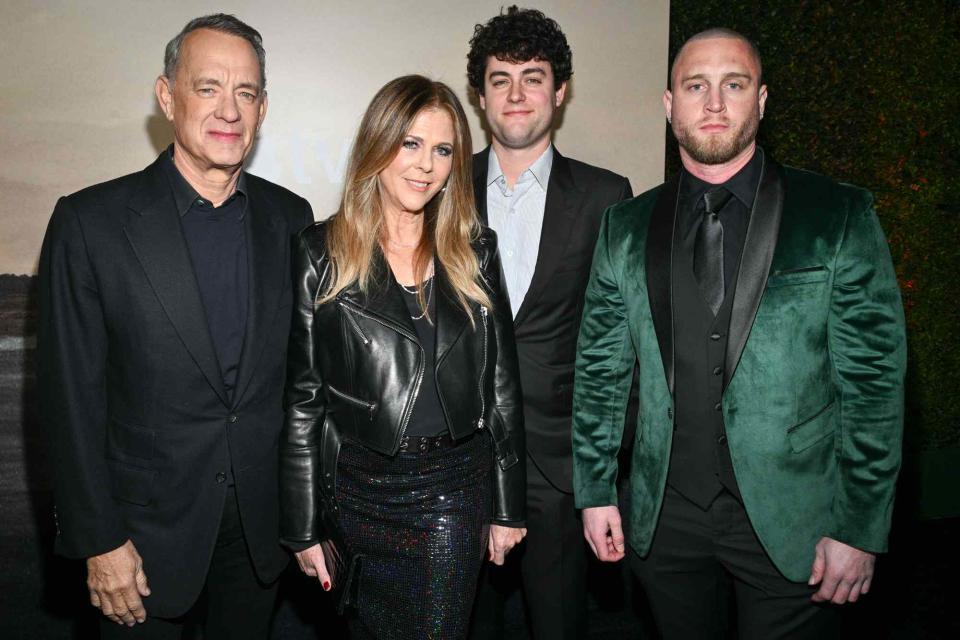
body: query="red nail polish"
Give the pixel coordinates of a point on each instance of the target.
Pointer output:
(326, 585)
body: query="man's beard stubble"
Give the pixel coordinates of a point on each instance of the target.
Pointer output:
(713, 150)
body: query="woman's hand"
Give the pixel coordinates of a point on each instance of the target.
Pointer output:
(311, 563)
(502, 539)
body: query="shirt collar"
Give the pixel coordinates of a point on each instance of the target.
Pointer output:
(540, 168)
(743, 184)
(185, 196)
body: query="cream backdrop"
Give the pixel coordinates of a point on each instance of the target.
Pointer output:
(77, 105)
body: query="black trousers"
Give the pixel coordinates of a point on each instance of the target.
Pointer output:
(553, 565)
(234, 603)
(705, 565)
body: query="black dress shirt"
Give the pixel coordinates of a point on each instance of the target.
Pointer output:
(217, 243)
(735, 214)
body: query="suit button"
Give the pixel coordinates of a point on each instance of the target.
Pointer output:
(722, 440)
(718, 407)
(714, 336)
(221, 477)
(232, 419)
(717, 371)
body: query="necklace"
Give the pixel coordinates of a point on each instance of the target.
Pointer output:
(416, 288)
(429, 286)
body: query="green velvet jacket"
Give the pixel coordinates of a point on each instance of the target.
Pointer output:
(816, 353)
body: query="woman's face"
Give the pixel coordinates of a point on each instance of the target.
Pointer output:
(421, 166)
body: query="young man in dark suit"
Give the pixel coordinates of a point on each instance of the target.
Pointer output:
(762, 306)
(165, 301)
(546, 211)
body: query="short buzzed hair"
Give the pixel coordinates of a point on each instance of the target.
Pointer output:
(720, 32)
(224, 23)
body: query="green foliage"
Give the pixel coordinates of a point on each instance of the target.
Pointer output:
(868, 92)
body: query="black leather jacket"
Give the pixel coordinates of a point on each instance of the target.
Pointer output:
(355, 368)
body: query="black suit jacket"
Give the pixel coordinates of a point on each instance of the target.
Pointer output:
(140, 426)
(548, 320)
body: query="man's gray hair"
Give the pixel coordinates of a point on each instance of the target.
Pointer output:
(224, 23)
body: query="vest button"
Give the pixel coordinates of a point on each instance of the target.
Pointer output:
(714, 336)
(221, 477)
(717, 371)
(718, 407)
(722, 440)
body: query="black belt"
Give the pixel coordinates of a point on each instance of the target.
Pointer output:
(424, 444)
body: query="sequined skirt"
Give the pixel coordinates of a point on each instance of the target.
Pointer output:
(421, 522)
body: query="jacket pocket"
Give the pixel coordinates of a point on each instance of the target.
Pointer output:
(131, 484)
(803, 275)
(131, 440)
(356, 403)
(812, 430)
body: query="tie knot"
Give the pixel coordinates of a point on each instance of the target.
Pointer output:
(715, 199)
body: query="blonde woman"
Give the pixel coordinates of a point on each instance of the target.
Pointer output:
(402, 349)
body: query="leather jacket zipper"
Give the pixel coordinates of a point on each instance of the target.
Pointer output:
(483, 369)
(371, 407)
(408, 410)
(353, 323)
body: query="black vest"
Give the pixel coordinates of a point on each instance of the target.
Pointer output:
(700, 465)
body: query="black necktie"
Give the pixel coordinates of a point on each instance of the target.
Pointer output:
(708, 249)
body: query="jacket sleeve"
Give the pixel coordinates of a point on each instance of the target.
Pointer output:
(510, 483)
(72, 357)
(305, 407)
(603, 375)
(867, 344)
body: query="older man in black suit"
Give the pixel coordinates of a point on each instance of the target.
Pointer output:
(165, 306)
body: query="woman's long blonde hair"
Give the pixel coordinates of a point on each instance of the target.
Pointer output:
(450, 221)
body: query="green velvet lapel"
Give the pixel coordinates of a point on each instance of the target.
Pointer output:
(659, 264)
(755, 260)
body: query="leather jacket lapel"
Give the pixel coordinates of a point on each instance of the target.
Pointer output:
(383, 300)
(450, 317)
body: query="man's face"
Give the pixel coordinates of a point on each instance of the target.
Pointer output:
(519, 100)
(216, 103)
(716, 100)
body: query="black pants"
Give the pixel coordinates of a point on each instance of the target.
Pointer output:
(553, 564)
(234, 603)
(702, 562)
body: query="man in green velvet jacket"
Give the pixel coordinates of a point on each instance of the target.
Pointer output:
(762, 306)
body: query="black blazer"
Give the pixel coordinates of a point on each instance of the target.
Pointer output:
(356, 363)
(548, 320)
(133, 401)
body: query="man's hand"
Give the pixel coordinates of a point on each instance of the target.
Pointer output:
(843, 572)
(312, 563)
(501, 540)
(116, 582)
(604, 533)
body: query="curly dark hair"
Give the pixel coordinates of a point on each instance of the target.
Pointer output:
(517, 36)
